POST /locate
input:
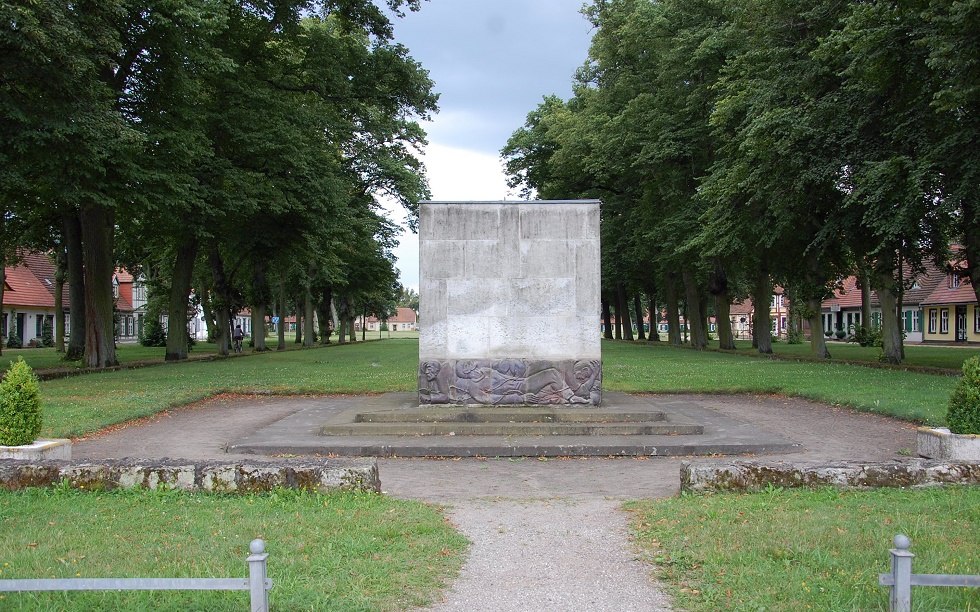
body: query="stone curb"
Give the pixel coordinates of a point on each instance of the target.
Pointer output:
(757, 475)
(210, 476)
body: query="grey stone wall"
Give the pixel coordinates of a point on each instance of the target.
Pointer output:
(214, 476)
(509, 298)
(757, 475)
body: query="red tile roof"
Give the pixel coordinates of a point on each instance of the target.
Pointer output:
(43, 268)
(25, 289)
(402, 315)
(944, 294)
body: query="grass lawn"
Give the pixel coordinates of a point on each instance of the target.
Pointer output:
(916, 355)
(637, 367)
(46, 358)
(342, 551)
(809, 549)
(81, 404)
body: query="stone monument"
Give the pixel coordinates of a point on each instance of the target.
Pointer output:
(509, 303)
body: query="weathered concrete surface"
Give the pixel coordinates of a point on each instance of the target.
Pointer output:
(939, 443)
(757, 475)
(504, 283)
(38, 450)
(300, 433)
(214, 476)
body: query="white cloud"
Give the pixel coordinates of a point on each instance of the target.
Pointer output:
(454, 174)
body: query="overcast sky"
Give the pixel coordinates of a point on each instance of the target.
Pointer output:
(492, 62)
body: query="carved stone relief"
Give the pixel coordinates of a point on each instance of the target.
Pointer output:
(510, 381)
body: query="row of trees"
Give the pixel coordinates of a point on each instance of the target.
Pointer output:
(738, 145)
(232, 148)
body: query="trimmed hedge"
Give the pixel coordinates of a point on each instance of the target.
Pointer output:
(20, 405)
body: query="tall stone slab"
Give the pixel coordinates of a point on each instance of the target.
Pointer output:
(509, 302)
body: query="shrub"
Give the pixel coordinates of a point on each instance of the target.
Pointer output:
(867, 336)
(20, 405)
(13, 341)
(840, 333)
(153, 333)
(963, 414)
(828, 333)
(47, 336)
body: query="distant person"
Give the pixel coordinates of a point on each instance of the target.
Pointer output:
(237, 337)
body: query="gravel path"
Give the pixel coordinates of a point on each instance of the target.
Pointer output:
(547, 535)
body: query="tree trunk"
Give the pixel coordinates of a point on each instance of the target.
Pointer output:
(262, 297)
(258, 328)
(971, 243)
(864, 280)
(180, 290)
(219, 299)
(723, 321)
(323, 315)
(76, 287)
(623, 302)
(209, 319)
(638, 313)
(60, 275)
(673, 311)
(761, 298)
(100, 342)
(281, 326)
(607, 330)
(618, 306)
(695, 316)
(307, 318)
(884, 286)
(300, 323)
(718, 287)
(818, 343)
(351, 330)
(654, 335)
(899, 300)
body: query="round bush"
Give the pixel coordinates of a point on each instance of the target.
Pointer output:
(20, 405)
(963, 415)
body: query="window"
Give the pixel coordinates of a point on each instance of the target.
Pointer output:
(954, 281)
(932, 320)
(976, 319)
(911, 320)
(4, 324)
(38, 325)
(944, 321)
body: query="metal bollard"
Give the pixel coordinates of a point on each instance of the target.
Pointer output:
(257, 576)
(901, 595)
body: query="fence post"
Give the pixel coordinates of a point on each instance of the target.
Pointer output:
(901, 595)
(257, 574)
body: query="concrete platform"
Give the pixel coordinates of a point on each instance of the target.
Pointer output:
(300, 433)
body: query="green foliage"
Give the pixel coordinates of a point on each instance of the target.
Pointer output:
(840, 334)
(153, 332)
(867, 336)
(963, 416)
(794, 335)
(20, 405)
(47, 334)
(13, 341)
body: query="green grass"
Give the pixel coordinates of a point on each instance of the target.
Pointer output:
(659, 368)
(342, 551)
(47, 358)
(809, 550)
(916, 355)
(81, 404)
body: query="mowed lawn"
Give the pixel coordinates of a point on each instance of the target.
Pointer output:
(82, 404)
(799, 549)
(337, 551)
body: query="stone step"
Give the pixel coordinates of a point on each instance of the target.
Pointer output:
(512, 429)
(530, 414)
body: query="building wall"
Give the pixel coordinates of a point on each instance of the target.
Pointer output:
(935, 329)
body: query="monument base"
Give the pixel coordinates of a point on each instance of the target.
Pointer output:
(510, 381)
